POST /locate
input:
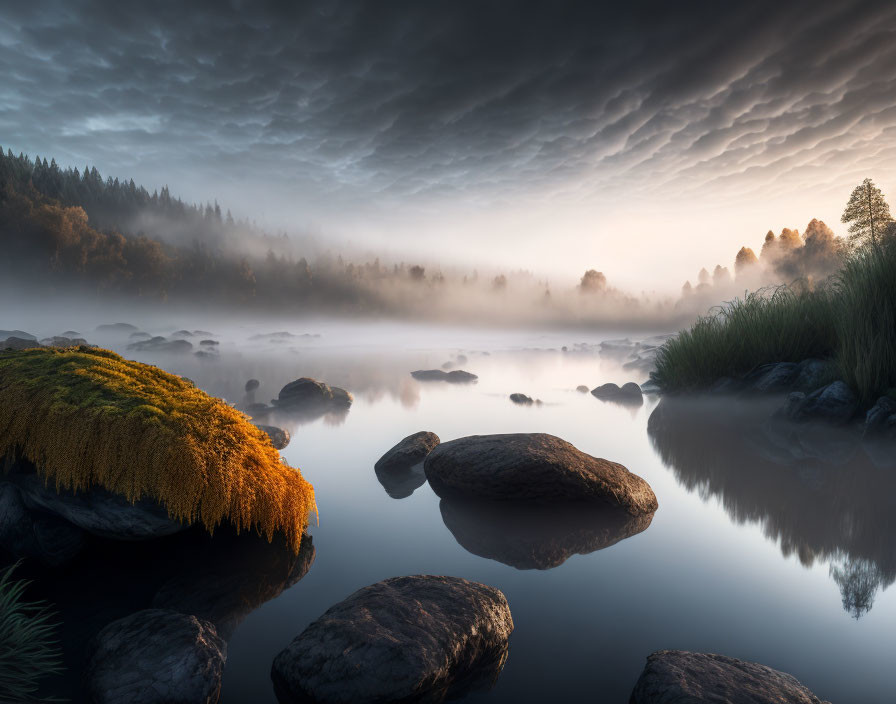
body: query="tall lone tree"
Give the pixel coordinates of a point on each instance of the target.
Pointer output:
(867, 213)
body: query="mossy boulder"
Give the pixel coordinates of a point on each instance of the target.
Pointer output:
(88, 419)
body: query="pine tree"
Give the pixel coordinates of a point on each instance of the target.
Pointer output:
(868, 214)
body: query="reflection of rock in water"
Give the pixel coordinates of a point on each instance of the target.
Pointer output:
(541, 537)
(220, 579)
(815, 506)
(401, 483)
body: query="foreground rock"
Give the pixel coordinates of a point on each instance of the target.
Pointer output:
(279, 437)
(408, 452)
(540, 537)
(307, 392)
(627, 393)
(534, 466)
(680, 677)
(156, 656)
(401, 639)
(96, 511)
(458, 376)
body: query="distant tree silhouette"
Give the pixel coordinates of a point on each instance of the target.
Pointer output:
(593, 281)
(867, 213)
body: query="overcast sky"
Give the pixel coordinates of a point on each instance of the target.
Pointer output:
(642, 139)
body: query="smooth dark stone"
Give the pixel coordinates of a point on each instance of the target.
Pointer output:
(534, 466)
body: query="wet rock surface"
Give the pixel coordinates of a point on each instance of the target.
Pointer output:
(536, 467)
(419, 638)
(408, 452)
(679, 677)
(156, 656)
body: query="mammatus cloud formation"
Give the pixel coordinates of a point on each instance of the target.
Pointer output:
(360, 112)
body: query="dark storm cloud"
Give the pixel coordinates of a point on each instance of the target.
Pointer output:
(353, 102)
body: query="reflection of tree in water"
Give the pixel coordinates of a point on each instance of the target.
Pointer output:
(840, 511)
(859, 581)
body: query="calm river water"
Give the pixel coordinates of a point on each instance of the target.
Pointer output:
(758, 550)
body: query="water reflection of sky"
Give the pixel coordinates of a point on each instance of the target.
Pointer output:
(708, 574)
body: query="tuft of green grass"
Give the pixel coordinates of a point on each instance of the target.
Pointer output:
(851, 320)
(28, 649)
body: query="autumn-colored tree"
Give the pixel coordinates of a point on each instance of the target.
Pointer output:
(867, 214)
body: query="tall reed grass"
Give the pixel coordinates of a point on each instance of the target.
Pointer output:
(850, 320)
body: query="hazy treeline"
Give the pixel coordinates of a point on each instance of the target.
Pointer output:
(807, 259)
(65, 229)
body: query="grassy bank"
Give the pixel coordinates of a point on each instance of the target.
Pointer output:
(87, 417)
(850, 320)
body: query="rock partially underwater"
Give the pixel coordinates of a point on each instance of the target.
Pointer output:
(458, 376)
(400, 470)
(680, 677)
(627, 394)
(534, 467)
(409, 639)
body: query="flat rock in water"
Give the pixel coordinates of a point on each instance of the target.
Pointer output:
(402, 639)
(535, 467)
(458, 376)
(408, 452)
(522, 399)
(156, 656)
(627, 393)
(680, 677)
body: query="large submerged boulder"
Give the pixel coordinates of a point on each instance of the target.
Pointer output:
(680, 677)
(156, 656)
(534, 467)
(402, 639)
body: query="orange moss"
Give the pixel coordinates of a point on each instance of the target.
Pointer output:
(87, 417)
